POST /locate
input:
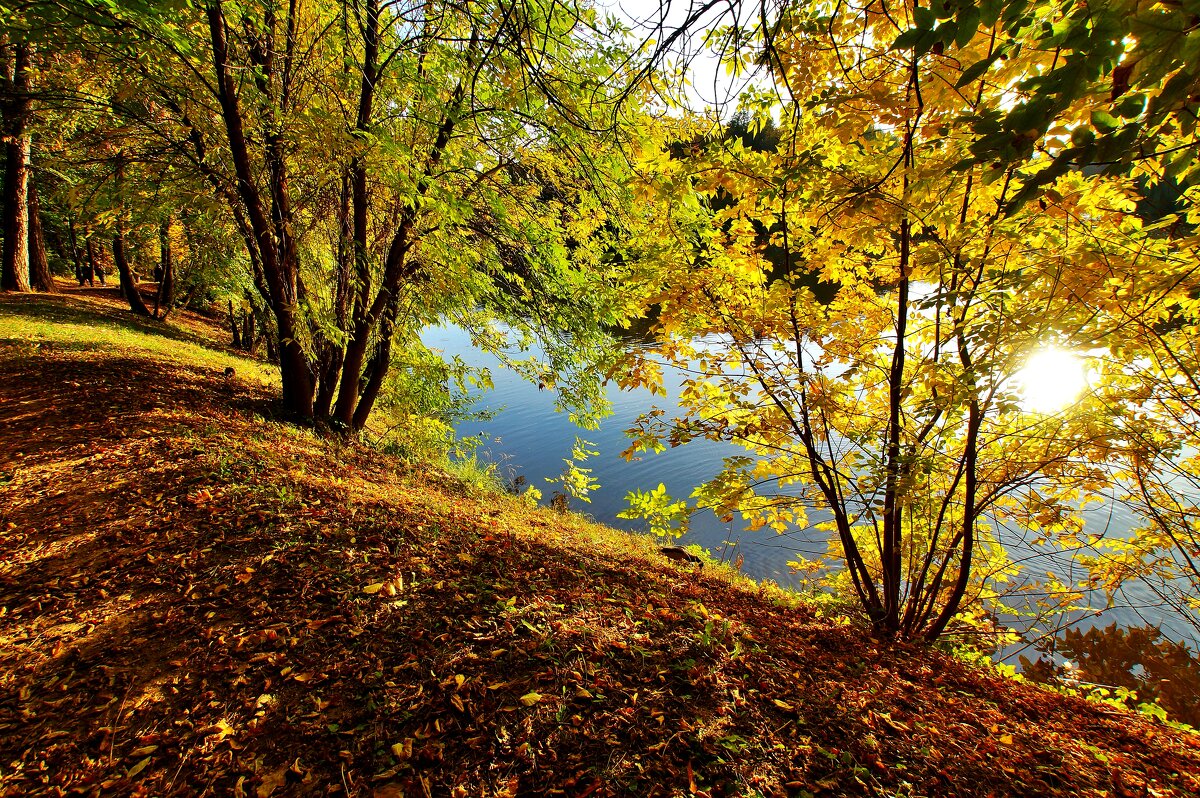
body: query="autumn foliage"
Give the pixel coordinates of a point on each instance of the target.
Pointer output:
(962, 207)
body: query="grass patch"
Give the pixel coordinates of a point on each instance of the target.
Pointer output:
(87, 323)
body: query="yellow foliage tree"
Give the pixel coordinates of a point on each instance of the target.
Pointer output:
(897, 406)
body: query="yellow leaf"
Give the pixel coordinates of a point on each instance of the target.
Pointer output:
(529, 699)
(221, 727)
(374, 588)
(139, 767)
(1006, 739)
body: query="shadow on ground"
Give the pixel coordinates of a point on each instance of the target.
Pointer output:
(196, 602)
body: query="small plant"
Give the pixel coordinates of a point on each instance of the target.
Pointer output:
(476, 474)
(667, 519)
(577, 482)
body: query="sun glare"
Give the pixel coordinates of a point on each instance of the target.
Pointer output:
(1051, 380)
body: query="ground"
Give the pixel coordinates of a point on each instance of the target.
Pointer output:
(196, 599)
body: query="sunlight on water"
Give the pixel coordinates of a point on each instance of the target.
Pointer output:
(528, 438)
(1051, 380)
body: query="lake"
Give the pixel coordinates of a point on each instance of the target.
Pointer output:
(527, 438)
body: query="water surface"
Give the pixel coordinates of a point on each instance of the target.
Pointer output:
(528, 438)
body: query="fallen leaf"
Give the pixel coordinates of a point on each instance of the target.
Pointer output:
(392, 790)
(272, 782)
(529, 699)
(221, 727)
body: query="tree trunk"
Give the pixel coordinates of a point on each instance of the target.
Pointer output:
(39, 264)
(355, 350)
(93, 263)
(15, 105)
(272, 232)
(269, 337)
(76, 256)
(164, 298)
(333, 351)
(248, 331)
(377, 369)
(15, 276)
(128, 279)
(234, 328)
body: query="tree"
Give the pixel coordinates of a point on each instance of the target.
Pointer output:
(895, 407)
(1117, 90)
(1158, 474)
(39, 264)
(476, 154)
(125, 273)
(15, 106)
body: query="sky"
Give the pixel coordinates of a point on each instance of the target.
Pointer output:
(711, 86)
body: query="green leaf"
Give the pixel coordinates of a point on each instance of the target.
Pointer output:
(973, 72)
(1104, 121)
(907, 39)
(968, 25)
(1131, 106)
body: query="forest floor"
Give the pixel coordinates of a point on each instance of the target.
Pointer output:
(198, 600)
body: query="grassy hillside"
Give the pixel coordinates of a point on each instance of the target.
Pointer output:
(195, 600)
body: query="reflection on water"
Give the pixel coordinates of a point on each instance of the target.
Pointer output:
(529, 440)
(1139, 658)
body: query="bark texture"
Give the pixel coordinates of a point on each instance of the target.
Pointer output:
(39, 264)
(129, 285)
(15, 108)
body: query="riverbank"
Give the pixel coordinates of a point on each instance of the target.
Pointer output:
(195, 599)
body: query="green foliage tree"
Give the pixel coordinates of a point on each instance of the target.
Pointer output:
(378, 158)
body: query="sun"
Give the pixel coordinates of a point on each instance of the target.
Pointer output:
(1051, 380)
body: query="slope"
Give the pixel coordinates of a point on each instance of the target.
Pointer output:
(198, 600)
